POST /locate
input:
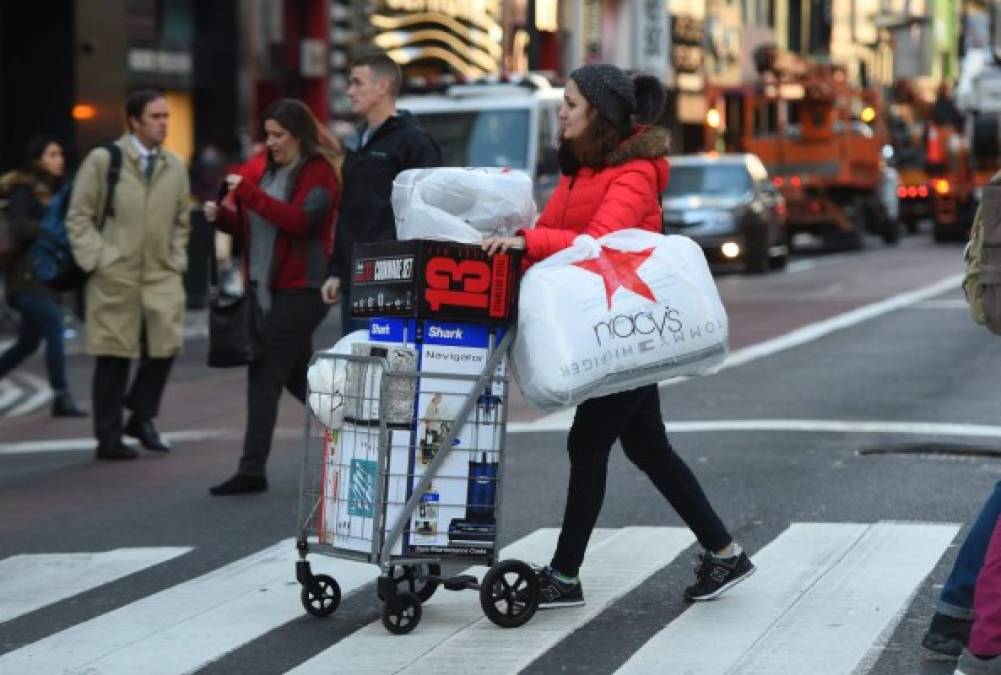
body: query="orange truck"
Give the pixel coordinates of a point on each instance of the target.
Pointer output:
(821, 140)
(953, 180)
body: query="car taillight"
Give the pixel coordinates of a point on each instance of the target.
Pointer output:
(922, 191)
(912, 191)
(901, 192)
(778, 181)
(795, 181)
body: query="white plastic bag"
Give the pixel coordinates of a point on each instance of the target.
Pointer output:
(616, 313)
(342, 390)
(326, 381)
(462, 205)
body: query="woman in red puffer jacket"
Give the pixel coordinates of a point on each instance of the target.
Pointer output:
(613, 174)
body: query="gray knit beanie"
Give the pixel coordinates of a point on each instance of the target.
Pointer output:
(618, 96)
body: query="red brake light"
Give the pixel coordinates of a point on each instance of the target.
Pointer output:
(778, 182)
(912, 191)
(795, 181)
(922, 190)
(901, 192)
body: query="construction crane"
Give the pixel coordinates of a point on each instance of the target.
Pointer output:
(820, 138)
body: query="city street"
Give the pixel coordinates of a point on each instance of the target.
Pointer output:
(847, 442)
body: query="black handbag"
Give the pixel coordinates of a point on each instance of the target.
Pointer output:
(234, 325)
(233, 331)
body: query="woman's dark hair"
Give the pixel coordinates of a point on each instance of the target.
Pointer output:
(600, 138)
(137, 102)
(36, 147)
(296, 118)
(33, 151)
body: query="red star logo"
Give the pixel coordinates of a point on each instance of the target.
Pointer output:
(618, 269)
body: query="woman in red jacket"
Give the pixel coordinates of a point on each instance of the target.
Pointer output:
(613, 174)
(283, 211)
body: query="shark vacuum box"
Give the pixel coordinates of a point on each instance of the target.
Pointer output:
(425, 279)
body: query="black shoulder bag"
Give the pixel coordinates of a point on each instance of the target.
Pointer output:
(234, 322)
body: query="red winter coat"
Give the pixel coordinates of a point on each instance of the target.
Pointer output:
(305, 223)
(625, 193)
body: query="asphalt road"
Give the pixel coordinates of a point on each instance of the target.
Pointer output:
(804, 430)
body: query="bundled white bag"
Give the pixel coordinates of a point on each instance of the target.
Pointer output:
(463, 205)
(326, 380)
(342, 390)
(616, 313)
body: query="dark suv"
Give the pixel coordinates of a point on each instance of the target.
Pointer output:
(727, 205)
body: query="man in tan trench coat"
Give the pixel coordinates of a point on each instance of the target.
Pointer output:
(135, 294)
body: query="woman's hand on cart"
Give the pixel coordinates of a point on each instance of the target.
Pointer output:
(501, 244)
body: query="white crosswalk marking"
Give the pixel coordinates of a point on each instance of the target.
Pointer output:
(453, 632)
(189, 625)
(823, 595)
(29, 582)
(824, 599)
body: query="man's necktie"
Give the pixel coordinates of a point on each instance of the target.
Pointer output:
(150, 166)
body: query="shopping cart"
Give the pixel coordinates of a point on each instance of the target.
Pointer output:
(403, 469)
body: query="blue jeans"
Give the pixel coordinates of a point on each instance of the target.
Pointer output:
(956, 599)
(41, 319)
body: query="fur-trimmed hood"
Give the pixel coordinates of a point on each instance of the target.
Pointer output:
(41, 190)
(647, 143)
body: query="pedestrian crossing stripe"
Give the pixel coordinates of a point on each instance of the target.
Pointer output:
(454, 633)
(30, 582)
(823, 596)
(189, 625)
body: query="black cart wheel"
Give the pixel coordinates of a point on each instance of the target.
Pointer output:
(401, 613)
(326, 601)
(509, 594)
(407, 578)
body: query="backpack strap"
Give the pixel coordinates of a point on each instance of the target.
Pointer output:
(114, 172)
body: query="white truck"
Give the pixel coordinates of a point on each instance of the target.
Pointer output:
(496, 124)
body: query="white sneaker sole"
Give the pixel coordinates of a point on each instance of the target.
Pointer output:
(724, 588)
(561, 605)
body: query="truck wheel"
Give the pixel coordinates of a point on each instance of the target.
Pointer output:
(941, 232)
(756, 259)
(891, 230)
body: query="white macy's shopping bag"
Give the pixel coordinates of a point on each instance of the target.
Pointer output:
(611, 314)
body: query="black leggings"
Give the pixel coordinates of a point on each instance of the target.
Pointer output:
(633, 417)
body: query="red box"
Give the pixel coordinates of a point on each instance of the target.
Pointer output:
(426, 279)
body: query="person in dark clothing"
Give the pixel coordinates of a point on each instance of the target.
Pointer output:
(29, 192)
(613, 173)
(283, 212)
(389, 141)
(944, 111)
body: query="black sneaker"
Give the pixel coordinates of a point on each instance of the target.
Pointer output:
(947, 635)
(555, 593)
(970, 664)
(713, 576)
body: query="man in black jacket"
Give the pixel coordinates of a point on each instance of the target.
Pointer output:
(389, 142)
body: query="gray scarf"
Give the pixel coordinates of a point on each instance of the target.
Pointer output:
(263, 235)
